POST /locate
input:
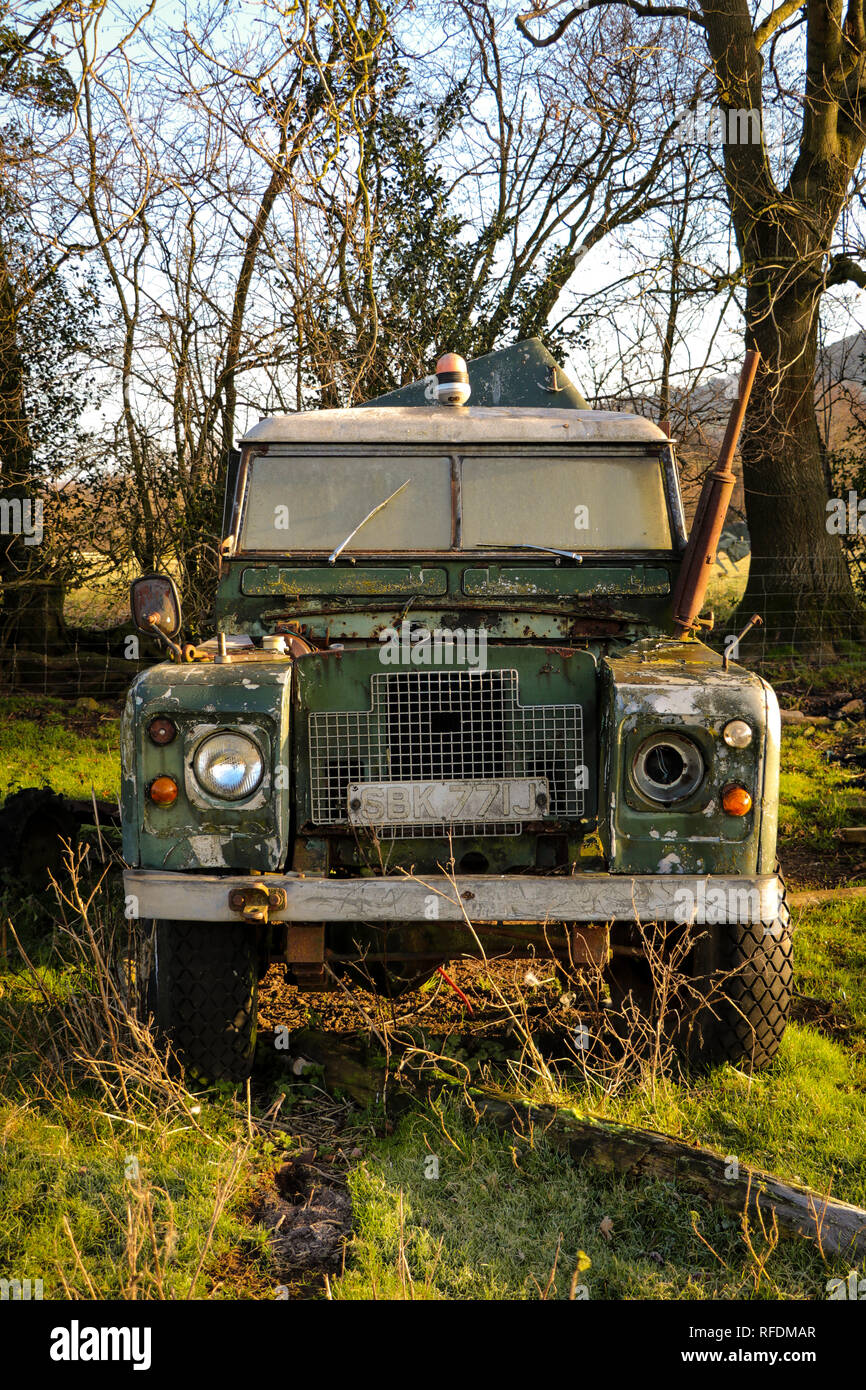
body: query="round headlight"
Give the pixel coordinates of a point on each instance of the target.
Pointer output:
(229, 766)
(737, 734)
(668, 767)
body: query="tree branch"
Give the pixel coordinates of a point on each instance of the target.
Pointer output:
(768, 26)
(844, 269)
(645, 12)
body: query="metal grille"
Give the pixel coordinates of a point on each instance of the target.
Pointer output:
(448, 726)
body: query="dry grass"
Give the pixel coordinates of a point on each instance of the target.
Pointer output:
(108, 1111)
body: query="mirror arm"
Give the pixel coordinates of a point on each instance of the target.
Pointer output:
(176, 651)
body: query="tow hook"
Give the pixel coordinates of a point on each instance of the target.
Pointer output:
(255, 902)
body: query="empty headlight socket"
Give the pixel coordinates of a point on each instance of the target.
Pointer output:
(636, 742)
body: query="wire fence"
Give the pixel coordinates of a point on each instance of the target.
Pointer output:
(797, 625)
(798, 628)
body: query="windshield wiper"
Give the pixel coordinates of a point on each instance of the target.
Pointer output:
(332, 558)
(525, 545)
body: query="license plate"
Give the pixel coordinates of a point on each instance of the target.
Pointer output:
(447, 803)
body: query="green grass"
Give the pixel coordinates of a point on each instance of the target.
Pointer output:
(503, 1212)
(116, 1179)
(70, 1161)
(112, 1190)
(499, 1216)
(831, 967)
(38, 747)
(794, 674)
(499, 1206)
(492, 1222)
(816, 797)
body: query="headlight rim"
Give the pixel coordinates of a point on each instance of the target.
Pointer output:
(204, 788)
(656, 793)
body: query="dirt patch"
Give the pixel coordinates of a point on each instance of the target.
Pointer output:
(805, 868)
(307, 1212)
(831, 1019)
(238, 1273)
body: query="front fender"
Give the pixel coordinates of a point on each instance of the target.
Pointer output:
(684, 687)
(200, 832)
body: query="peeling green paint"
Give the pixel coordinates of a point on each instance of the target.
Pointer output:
(269, 580)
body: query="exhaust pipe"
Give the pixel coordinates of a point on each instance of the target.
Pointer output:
(700, 553)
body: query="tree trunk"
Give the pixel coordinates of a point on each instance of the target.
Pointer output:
(798, 578)
(33, 617)
(32, 600)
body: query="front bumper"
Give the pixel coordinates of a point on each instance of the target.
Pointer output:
(700, 898)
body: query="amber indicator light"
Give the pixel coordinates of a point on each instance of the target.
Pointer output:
(163, 791)
(736, 801)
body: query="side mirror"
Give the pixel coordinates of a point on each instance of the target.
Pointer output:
(155, 605)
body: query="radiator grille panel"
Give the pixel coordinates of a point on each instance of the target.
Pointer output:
(448, 726)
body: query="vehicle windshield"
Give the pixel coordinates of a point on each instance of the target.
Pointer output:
(565, 500)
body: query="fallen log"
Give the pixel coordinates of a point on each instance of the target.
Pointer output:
(817, 897)
(838, 1228)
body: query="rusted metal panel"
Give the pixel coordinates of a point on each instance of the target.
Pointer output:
(305, 943)
(345, 685)
(480, 898)
(589, 945)
(549, 613)
(197, 832)
(367, 581)
(425, 425)
(596, 581)
(682, 687)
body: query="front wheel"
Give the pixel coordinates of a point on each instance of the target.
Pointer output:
(745, 1021)
(202, 991)
(733, 1005)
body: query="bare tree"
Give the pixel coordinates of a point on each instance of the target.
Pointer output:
(812, 60)
(472, 187)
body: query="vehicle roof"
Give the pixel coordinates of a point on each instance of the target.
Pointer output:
(449, 425)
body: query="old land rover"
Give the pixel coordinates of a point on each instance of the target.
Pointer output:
(456, 702)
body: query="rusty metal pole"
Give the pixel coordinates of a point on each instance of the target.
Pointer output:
(700, 553)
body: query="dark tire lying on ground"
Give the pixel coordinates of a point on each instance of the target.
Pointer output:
(35, 825)
(202, 991)
(745, 971)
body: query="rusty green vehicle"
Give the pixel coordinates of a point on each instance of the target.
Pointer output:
(456, 702)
